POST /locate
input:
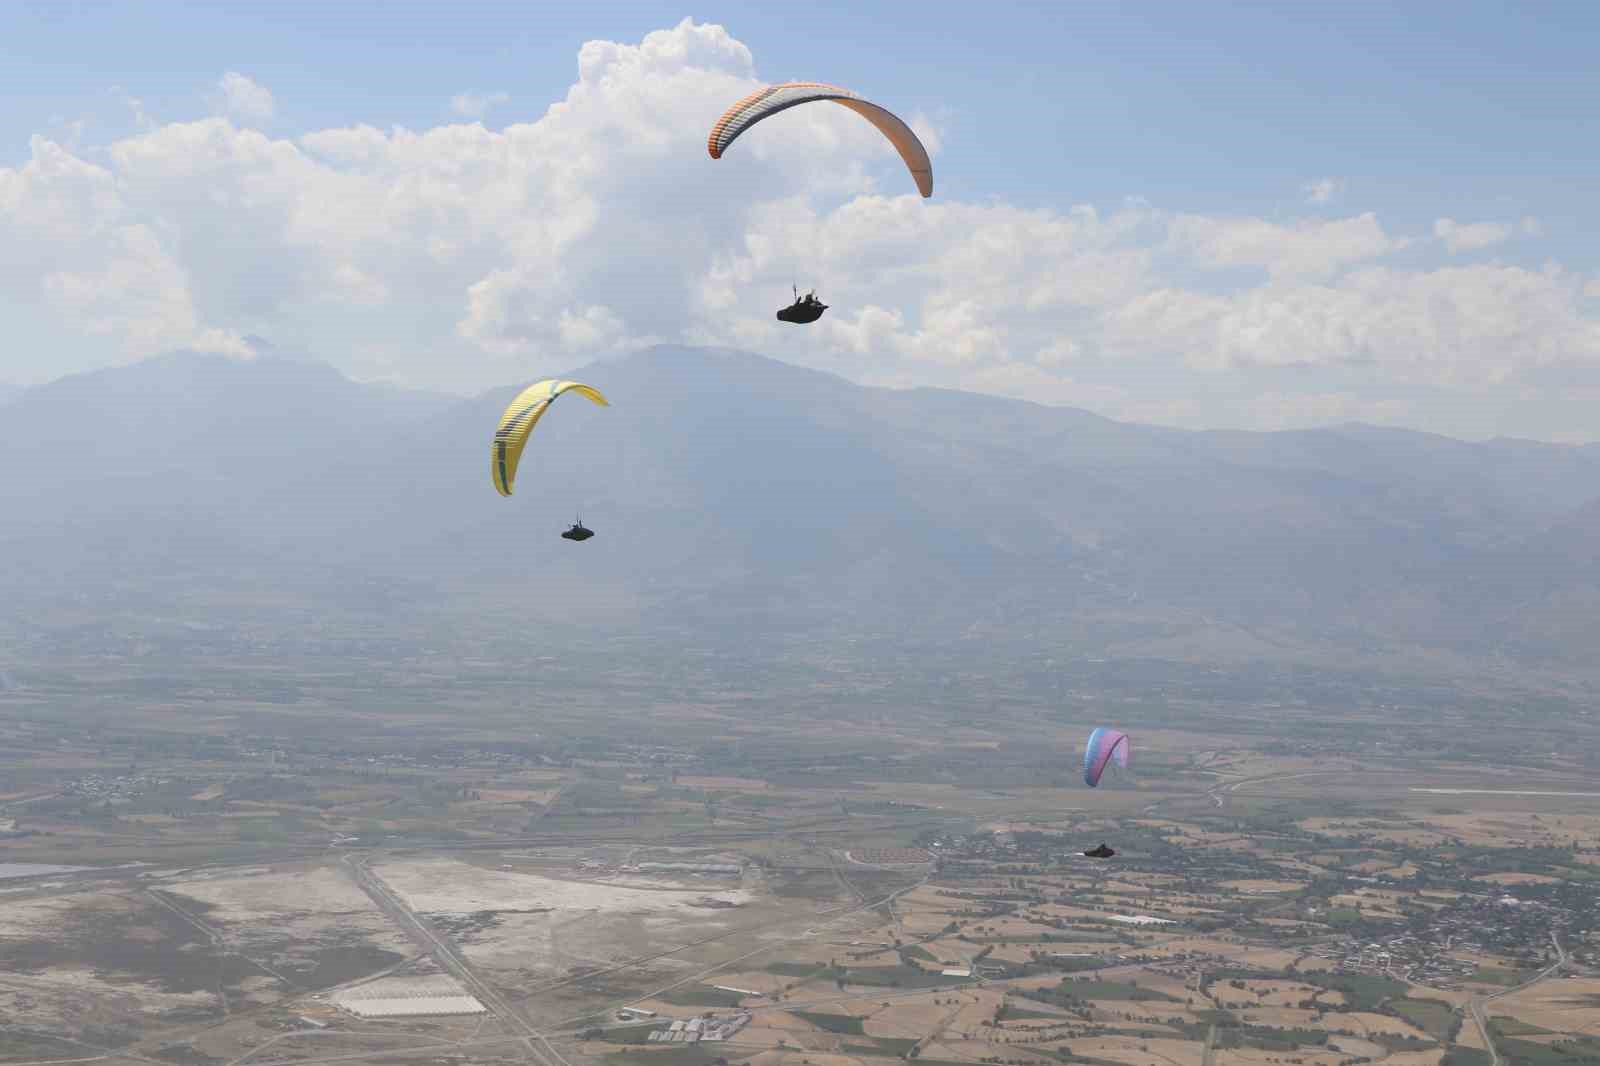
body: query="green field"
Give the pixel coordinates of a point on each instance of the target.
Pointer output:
(1498, 975)
(882, 1046)
(1560, 1053)
(1111, 990)
(678, 1055)
(1022, 1013)
(1364, 992)
(899, 977)
(1434, 1016)
(1465, 1056)
(701, 996)
(847, 1024)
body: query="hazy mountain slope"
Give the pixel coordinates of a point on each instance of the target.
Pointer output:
(177, 463)
(743, 496)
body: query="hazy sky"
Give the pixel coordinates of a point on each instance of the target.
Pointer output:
(1197, 214)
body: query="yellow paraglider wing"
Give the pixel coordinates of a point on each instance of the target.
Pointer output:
(774, 98)
(521, 416)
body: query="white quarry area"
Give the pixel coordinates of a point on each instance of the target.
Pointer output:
(398, 997)
(446, 886)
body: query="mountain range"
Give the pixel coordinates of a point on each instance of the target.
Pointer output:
(736, 497)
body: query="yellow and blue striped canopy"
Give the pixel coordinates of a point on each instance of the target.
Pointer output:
(505, 452)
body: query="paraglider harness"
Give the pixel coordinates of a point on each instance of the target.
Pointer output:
(805, 308)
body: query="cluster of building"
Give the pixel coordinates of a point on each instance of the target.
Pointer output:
(702, 1028)
(269, 752)
(125, 786)
(1185, 966)
(1404, 958)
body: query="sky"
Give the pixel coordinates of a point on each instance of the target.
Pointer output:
(1245, 215)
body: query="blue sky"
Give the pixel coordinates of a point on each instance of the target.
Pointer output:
(1477, 113)
(1225, 105)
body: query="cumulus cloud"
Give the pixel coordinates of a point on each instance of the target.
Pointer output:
(1322, 191)
(1462, 325)
(1470, 236)
(464, 257)
(1474, 236)
(476, 105)
(1306, 248)
(135, 106)
(244, 98)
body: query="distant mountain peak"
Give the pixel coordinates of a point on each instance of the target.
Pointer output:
(734, 493)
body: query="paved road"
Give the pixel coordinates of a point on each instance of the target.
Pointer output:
(1477, 1004)
(450, 959)
(1208, 1056)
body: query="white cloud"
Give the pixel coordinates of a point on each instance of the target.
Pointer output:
(244, 98)
(464, 257)
(1457, 326)
(133, 291)
(135, 106)
(1470, 236)
(1025, 381)
(72, 130)
(1311, 247)
(1322, 191)
(70, 238)
(1306, 410)
(1475, 236)
(928, 134)
(476, 105)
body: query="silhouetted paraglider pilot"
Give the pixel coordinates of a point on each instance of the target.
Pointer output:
(578, 532)
(1102, 852)
(805, 309)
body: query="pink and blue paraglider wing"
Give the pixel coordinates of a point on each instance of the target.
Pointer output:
(1104, 745)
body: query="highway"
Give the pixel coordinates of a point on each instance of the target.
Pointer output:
(450, 959)
(1476, 1004)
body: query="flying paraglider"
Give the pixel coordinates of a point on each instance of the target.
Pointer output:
(1102, 852)
(765, 103)
(578, 532)
(805, 309)
(524, 412)
(1104, 745)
